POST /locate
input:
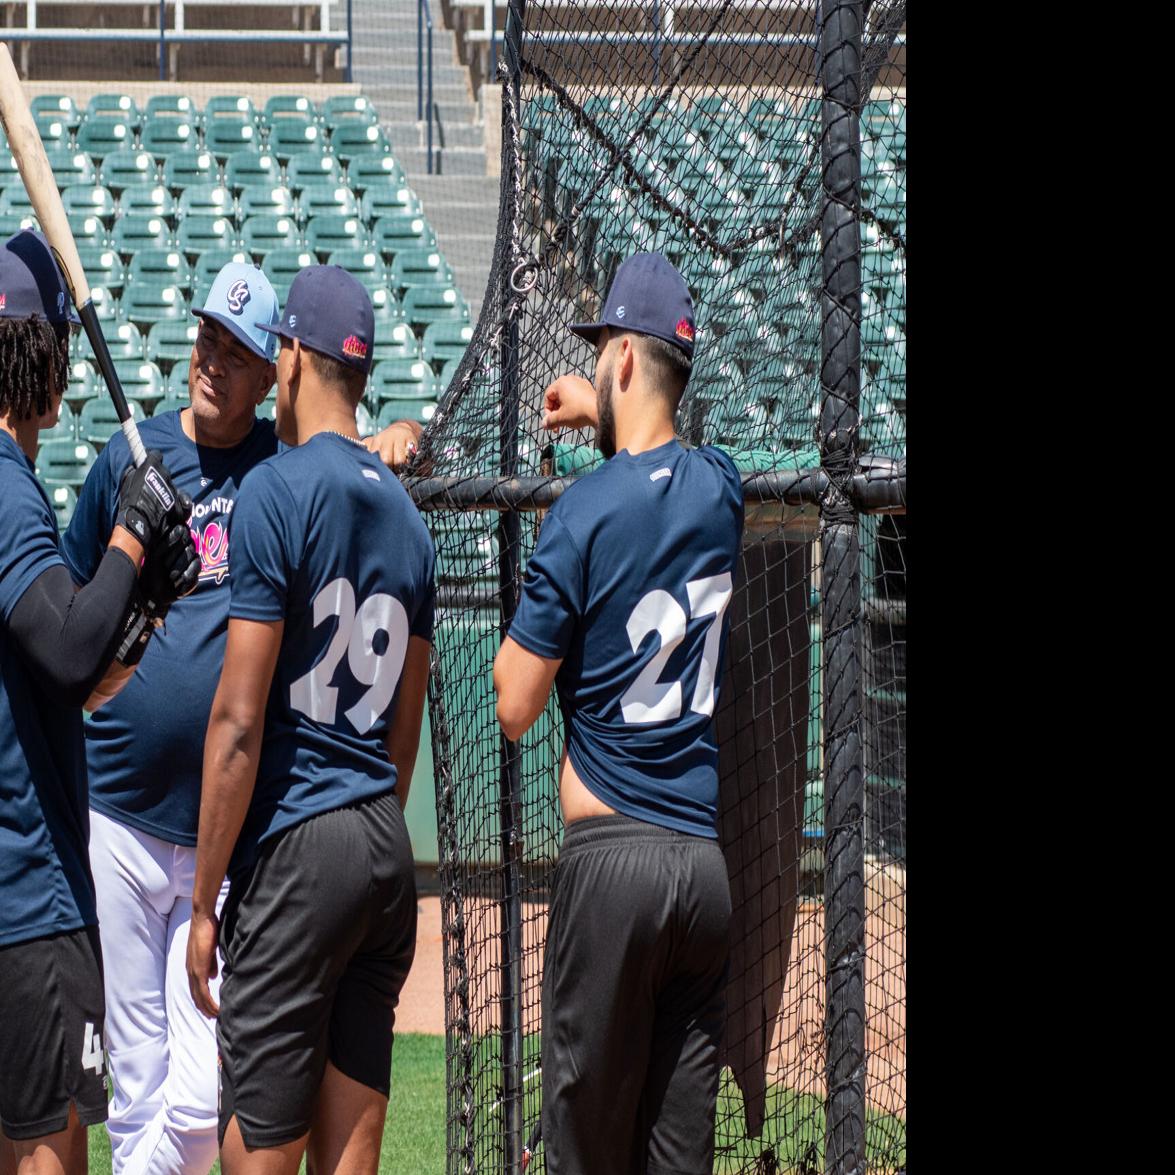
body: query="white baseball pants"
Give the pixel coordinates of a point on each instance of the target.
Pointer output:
(161, 1051)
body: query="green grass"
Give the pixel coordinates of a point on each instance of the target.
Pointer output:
(414, 1133)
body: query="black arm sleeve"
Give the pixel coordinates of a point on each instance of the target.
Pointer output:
(69, 638)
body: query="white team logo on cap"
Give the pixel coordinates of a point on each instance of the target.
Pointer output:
(619, 311)
(293, 320)
(238, 295)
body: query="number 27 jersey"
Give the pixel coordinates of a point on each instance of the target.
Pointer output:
(629, 584)
(325, 538)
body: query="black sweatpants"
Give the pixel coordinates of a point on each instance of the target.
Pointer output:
(633, 1000)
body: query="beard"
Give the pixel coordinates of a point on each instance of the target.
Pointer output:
(606, 429)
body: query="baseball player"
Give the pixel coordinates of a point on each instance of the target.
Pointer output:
(54, 647)
(307, 761)
(623, 609)
(145, 747)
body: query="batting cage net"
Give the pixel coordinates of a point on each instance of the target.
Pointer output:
(760, 145)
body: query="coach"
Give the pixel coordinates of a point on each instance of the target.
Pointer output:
(145, 747)
(54, 646)
(623, 608)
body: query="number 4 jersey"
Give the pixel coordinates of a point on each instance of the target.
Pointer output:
(629, 585)
(325, 538)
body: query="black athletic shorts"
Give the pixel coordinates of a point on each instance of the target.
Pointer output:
(317, 940)
(634, 978)
(51, 1033)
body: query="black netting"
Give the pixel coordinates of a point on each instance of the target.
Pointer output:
(710, 132)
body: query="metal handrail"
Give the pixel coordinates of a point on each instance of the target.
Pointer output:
(426, 110)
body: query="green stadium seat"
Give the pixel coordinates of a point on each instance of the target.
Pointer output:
(394, 340)
(140, 379)
(291, 136)
(319, 199)
(226, 136)
(177, 398)
(198, 233)
(765, 109)
(87, 229)
(174, 105)
(103, 266)
(419, 267)
(128, 168)
(364, 421)
(14, 222)
(189, 167)
(389, 200)
(83, 383)
(123, 340)
(281, 266)
(232, 108)
(341, 109)
(312, 167)
(113, 105)
(331, 231)
(170, 343)
(134, 231)
(266, 200)
(259, 234)
(384, 303)
(375, 171)
(252, 168)
(149, 201)
(101, 135)
(161, 267)
(66, 428)
(64, 499)
(392, 410)
(90, 198)
(424, 305)
(53, 129)
(60, 105)
(365, 264)
(209, 263)
(280, 105)
(206, 200)
(164, 136)
(98, 421)
(445, 342)
(448, 373)
(14, 201)
(401, 379)
(351, 139)
(65, 462)
(145, 303)
(70, 166)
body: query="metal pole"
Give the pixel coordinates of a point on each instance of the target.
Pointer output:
(419, 61)
(510, 572)
(349, 41)
(429, 93)
(162, 41)
(844, 788)
(656, 43)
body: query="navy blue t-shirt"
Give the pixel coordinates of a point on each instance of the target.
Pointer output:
(325, 538)
(45, 882)
(145, 747)
(629, 584)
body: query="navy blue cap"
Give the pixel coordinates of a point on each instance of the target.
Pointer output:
(31, 282)
(329, 311)
(648, 296)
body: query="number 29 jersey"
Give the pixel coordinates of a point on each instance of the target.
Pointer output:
(629, 584)
(325, 538)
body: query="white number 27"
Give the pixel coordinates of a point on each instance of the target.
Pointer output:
(650, 700)
(313, 693)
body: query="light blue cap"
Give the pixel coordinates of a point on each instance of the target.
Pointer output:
(242, 300)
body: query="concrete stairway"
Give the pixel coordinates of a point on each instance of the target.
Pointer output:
(461, 202)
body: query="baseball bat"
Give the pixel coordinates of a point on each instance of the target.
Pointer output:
(29, 152)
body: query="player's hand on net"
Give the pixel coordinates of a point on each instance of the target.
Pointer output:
(570, 402)
(203, 932)
(397, 444)
(148, 501)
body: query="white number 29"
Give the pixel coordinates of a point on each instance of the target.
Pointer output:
(650, 700)
(313, 695)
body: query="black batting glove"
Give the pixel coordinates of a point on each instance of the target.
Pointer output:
(170, 570)
(148, 501)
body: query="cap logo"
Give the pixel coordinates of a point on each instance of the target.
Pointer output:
(238, 295)
(685, 330)
(3, 300)
(355, 347)
(293, 321)
(619, 311)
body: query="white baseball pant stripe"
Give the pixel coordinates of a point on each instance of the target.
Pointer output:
(161, 1050)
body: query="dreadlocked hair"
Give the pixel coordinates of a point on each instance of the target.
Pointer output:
(30, 349)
